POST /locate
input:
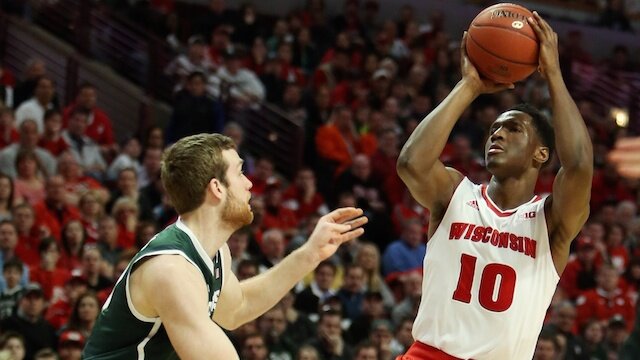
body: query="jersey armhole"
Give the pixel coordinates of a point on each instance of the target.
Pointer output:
(132, 308)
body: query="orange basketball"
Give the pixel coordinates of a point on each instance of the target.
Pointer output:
(501, 44)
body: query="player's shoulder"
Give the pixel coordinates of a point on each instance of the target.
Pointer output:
(165, 269)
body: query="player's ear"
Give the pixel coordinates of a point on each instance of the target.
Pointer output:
(216, 188)
(541, 155)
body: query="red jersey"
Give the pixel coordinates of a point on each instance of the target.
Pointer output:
(596, 304)
(99, 129)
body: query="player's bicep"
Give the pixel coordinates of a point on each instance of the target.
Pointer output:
(432, 189)
(570, 201)
(178, 293)
(231, 297)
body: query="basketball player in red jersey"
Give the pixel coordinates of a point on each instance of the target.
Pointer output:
(496, 251)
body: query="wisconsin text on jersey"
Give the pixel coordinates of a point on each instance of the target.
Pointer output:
(495, 237)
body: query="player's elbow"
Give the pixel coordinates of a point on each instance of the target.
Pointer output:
(404, 164)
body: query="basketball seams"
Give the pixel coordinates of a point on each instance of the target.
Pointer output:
(495, 25)
(496, 55)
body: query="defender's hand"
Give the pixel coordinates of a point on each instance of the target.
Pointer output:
(333, 229)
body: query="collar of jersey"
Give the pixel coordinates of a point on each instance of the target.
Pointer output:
(497, 210)
(196, 244)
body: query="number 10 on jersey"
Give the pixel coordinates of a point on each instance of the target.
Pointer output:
(502, 301)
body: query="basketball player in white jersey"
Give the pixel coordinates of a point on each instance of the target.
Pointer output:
(496, 251)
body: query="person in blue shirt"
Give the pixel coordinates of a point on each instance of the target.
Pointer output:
(406, 253)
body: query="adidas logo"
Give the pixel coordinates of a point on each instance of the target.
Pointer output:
(473, 204)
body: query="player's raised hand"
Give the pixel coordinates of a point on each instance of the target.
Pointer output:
(626, 157)
(548, 61)
(333, 229)
(470, 74)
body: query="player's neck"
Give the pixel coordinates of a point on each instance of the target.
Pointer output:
(510, 193)
(208, 228)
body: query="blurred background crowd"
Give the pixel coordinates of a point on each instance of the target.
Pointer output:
(319, 104)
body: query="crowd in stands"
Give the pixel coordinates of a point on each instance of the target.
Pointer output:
(75, 205)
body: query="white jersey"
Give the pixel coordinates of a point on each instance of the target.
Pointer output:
(488, 278)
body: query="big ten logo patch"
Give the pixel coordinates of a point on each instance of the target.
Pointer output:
(214, 301)
(529, 215)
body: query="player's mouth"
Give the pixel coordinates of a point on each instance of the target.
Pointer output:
(495, 149)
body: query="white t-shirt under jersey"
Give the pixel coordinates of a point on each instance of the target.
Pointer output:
(488, 278)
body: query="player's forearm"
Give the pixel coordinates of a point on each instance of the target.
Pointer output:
(262, 292)
(427, 141)
(572, 139)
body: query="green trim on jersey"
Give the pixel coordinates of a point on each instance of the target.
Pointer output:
(121, 332)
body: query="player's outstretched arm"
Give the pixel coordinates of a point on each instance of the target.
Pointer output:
(419, 167)
(241, 302)
(572, 186)
(172, 288)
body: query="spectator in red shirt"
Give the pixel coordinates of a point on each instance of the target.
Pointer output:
(276, 215)
(100, 126)
(76, 182)
(125, 211)
(580, 273)
(609, 187)
(302, 196)
(618, 255)
(289, 72)
(59, 311)
(262, 174)
(383, 165)
(406, 210)
(47, 274)
(51, 139)
(464, 159)
(72, 244)
(91, 210)
(8, 132)
(607, 300)
(29, 234)
(54, 212)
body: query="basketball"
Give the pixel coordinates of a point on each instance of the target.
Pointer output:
(501, 44)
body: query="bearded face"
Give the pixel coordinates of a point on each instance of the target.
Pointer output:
(236, 213)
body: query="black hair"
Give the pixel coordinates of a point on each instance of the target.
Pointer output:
(541, 123)
(13, 263)
(197, 74)
(550, 335)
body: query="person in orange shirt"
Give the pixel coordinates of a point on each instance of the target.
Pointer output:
(337, 141)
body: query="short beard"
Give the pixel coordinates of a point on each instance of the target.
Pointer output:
(235, 213)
